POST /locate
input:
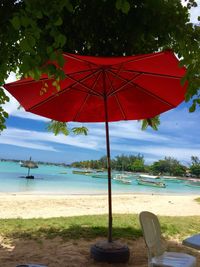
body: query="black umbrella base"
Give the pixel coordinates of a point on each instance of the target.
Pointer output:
(29, 177)
(111, 252)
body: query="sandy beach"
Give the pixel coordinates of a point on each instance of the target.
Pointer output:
(35, 206)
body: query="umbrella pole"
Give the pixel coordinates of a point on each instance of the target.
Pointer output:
(109, 251)
(109, 174)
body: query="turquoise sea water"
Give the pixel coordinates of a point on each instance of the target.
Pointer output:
(51, 180)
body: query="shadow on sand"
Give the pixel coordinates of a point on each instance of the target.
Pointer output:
(60, 249)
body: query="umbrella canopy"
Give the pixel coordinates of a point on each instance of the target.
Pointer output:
(30, 165)
(102, 89)
(135, 87)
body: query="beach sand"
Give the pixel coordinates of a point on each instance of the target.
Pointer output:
(35, 206)
(75, 253)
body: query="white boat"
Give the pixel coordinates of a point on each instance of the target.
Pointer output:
(151, 183)
(84, 172)
(122, 178)
(147, 176)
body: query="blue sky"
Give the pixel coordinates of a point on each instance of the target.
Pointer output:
(26, 135)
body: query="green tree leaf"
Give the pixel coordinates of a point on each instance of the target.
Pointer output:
(80, 130)
(16, 22)
(58, 127)
(58, 22)
(35, 32)
(193, 107)
(152, 122)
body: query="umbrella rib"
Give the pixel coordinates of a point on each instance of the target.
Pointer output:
(153, 95)
(140, 88)
(85, 86)
(141, 57)
(81, 107)
(120, 107)
(25, 81)
(122, 86)
(116, 97)
(152, 73)
(118, 71)
(67, 89)
(79, 59)
(86, 98)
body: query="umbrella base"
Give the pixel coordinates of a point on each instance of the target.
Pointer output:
(111, 252)
(29, 177)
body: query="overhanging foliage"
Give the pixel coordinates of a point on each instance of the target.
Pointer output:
(34, 31)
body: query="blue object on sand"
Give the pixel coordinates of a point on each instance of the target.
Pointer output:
(192, 241)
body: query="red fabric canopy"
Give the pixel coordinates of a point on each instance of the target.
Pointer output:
(135, 87)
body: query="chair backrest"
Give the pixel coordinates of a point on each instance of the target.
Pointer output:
(152, 234)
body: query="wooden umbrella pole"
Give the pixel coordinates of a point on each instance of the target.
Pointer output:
(109, 185)
(109, 173)
(108, 161)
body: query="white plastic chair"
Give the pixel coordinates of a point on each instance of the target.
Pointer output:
(156, 252)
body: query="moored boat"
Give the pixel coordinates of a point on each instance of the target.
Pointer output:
(84, 172)
(147, 176)
(100, 176)
(151, 183)
(100, 170)
(122, 178)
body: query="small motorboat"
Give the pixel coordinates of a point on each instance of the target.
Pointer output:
(151, 183)
(147, 176)
(104, 176)
(84, 172)
(122, 178)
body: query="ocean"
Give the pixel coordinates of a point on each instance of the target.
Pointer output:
(50, 179)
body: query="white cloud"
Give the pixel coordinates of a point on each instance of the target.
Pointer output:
(153, 153)
(126, 130)
(31, 145)
(166, 145)
(181, 153)
(40, 140)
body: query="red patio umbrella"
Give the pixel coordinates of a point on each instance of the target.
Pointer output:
(106, 89)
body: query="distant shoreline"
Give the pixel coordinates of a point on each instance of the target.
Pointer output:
(57, 194)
